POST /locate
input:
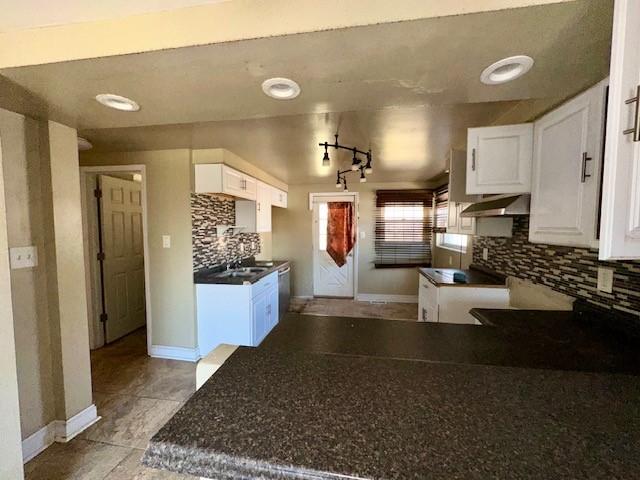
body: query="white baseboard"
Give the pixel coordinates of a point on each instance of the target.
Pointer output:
(303, 297)
(58, 431)
(67, 430)
(375, 297)
(175, 353)
(38, 442)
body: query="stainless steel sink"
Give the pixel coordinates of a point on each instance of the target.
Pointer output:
(244, 272)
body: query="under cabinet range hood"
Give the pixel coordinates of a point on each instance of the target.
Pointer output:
(499, 206)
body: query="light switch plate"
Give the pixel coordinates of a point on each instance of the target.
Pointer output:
(485, 253)
(363, 234)
(166, 241)
(605, 279)
(23, 257)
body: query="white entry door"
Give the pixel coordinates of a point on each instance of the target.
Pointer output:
(123, 264)
(329, 280)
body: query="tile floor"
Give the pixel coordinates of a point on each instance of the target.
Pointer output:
(135, 396)
(350, 308)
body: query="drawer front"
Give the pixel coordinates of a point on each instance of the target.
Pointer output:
(264, 284)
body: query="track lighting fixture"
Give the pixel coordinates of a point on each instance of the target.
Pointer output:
(356, 162)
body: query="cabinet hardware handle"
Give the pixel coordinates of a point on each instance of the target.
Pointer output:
(584, 174)
(258, 206)
(473, 160)
(636, 117)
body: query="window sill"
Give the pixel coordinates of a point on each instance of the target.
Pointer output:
(452, 248)
(402, 265)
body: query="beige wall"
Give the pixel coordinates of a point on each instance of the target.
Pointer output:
(64, 252)
(168, 175)
(292, 240)
(10, 447)
(22, 168)
(444, 258)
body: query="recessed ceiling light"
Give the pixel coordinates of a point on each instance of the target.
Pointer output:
(281, 88)
(118, 102)
(506, 70)
(84, 144)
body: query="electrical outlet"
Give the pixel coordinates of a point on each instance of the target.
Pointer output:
(605, 279)
(166, 241)
(485, 253)
(23, 257)
(242, 248)
(363, 234)
(253, 245)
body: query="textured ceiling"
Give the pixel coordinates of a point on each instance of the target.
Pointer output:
(407, 89)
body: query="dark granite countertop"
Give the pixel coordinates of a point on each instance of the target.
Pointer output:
(330, 398)
(210, 275)
(475, 277)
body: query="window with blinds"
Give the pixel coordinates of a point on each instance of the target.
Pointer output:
(441, 207)
(403, 228)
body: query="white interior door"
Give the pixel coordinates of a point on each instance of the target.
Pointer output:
(123, 264)
(329, 280)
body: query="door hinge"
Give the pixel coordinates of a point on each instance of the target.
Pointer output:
(101, 256)
(97, 193)
(104, 317)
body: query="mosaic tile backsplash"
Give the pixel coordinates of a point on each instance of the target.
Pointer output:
(573, 271)
(207, 211)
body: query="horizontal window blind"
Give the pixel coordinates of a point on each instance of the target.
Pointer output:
(441, 206)
(403, 228)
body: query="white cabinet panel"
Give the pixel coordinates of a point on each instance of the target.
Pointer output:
(278, 198)
(620, 220)
(458, 224)
(219, 178)
(566, 171)
(232, 182)
(499, 159)
(263, 208)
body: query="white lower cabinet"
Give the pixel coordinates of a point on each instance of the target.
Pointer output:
(236, 314)
(451, 304)
(566, 171)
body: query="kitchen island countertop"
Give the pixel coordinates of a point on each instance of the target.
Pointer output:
(341, 403)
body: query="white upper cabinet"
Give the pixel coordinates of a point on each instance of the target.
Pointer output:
(620, 214)
(567, 155)
(278, 198)
(458, 177)
(263, 207)
(219, 178)
(458, 224)
(499, 159)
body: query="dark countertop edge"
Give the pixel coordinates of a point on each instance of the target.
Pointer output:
(277, 266)
(501, 280)
(228, 466)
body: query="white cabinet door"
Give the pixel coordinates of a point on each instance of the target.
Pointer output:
(499, 159)
(458, 224)
(263, 208)
(566, 171)
(232, 182)
(278, 198)
(250, 187)
(260, 318)
(466, 225)
(427, 301)
(620, 220)
(452, 218)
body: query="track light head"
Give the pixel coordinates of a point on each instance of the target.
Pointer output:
(325, 159)
(363, 178)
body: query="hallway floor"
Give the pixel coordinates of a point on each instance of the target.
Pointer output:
(339, 307)
(135, 395)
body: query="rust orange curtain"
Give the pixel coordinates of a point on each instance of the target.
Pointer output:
(341, 235)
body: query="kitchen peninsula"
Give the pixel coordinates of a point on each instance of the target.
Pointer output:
(330, 398)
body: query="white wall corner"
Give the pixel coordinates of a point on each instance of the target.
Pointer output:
(175, 353)
(376, 297)
(67, 430)
(38, 442)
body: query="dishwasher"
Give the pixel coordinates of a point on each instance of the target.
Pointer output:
(284, 291)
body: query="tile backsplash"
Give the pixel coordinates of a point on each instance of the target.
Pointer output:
(573, 271)
(209, 250)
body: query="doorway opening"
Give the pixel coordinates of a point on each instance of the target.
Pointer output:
(116, 252)
(330, 279)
